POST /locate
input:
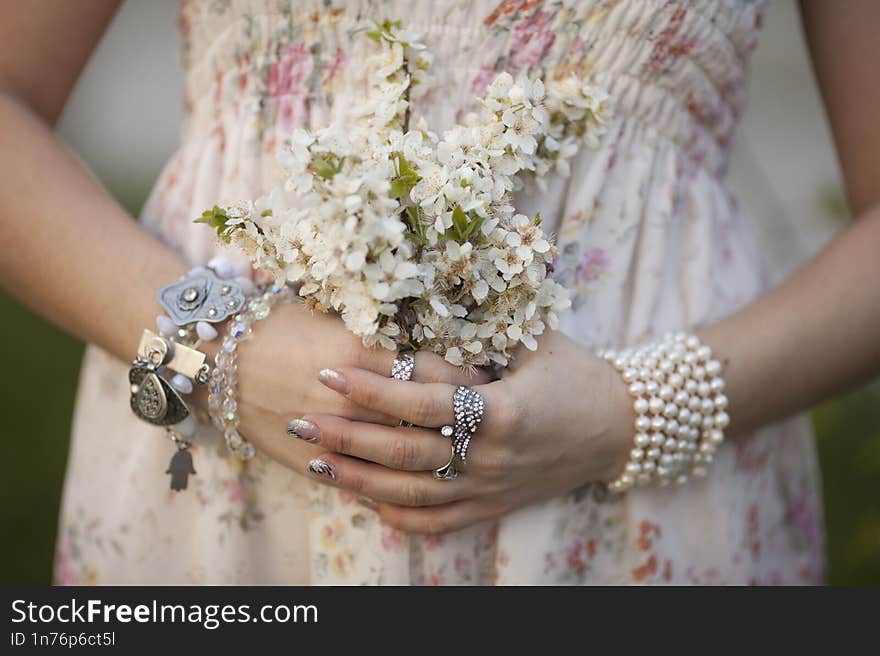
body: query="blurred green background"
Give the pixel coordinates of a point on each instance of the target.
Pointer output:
(110, 117)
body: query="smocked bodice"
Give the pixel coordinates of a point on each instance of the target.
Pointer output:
(677, 67)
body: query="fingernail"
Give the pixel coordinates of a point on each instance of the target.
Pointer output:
(367, 502)
(334, 380)
(322, 468)
(304, 430)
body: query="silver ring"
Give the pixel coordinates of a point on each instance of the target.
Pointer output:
(468, 408)
(403, 367)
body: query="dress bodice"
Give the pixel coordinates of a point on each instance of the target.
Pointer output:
(675, 66)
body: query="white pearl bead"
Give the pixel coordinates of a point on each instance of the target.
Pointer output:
(223, 267)
(692, 342)
(691, 386)
(713, 367)
(699, 372)
(658, 375)
(648, 466)
(663, 472)
(206, 331)
(693, 433)
(717, 385)
(682, 479)
(637, 388)
(670, 410)
(684, 415)
(722, 420)
(182, 384)
(707, 449)
(666, 392)
(704, 389)
(626, 480)
(679, 336)
(721, 402)
(675, 356)
(637, 454)
(633, 468)
(653, 453)
(655, 405)
(672, 426)
(690, 358)
(676, 380)
(694, 403)
(644, 374)
(649, 363)
(684, 431)
(715, 436)
(684, 370)
(666, 460)
(651, 388)
(247, 286)
(640, 406)
(682, 398)
(707, 407)
(642, 423)
(643, 479)
(696, 419)
(704, 353)
(620, 363)
(642, 440)
(658, 439)
(708, 421)
(629, 375)
(666, 366)
(658, 423)
(188, 427)
(708, 458)
(670, 445)
(165, 325)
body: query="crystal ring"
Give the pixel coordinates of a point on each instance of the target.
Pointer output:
(402, 369)
(468, 409)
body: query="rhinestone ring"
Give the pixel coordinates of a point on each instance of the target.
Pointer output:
(468, 408)
(403, 367)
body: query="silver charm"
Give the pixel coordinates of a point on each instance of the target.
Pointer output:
(202, 296)
(153, 399)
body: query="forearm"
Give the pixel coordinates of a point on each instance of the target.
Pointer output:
(73, 254)
(812, 337)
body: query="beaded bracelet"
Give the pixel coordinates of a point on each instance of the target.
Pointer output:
(222, 404)
(168, 363)
(680, 410)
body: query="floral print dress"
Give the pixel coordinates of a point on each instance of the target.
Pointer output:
(650, 239)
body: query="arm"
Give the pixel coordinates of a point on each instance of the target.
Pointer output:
(76, 257)
(546, 432)
(66, 263)
(816, 334)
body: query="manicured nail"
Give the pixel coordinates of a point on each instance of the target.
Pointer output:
(322, 468)
(334, 380)
(304, 430)
(367, 502)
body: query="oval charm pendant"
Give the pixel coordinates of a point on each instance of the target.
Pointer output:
(153, 399)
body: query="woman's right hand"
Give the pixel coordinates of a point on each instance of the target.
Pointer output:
(278, 372)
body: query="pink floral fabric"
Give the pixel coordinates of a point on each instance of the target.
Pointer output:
(650, 239)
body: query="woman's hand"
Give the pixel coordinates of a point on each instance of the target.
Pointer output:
(558, 419)
(278, 373)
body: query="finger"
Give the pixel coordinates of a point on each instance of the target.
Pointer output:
(422, 404)
(438, 520)
(380, 483)
(403, 448)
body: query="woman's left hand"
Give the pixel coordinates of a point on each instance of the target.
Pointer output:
(558, 419)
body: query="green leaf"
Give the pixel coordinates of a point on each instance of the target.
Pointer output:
(460, 222)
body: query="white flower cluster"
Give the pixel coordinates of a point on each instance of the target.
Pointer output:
(410, 236)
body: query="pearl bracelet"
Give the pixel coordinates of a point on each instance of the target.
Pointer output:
(222, 404)
(680, 410)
